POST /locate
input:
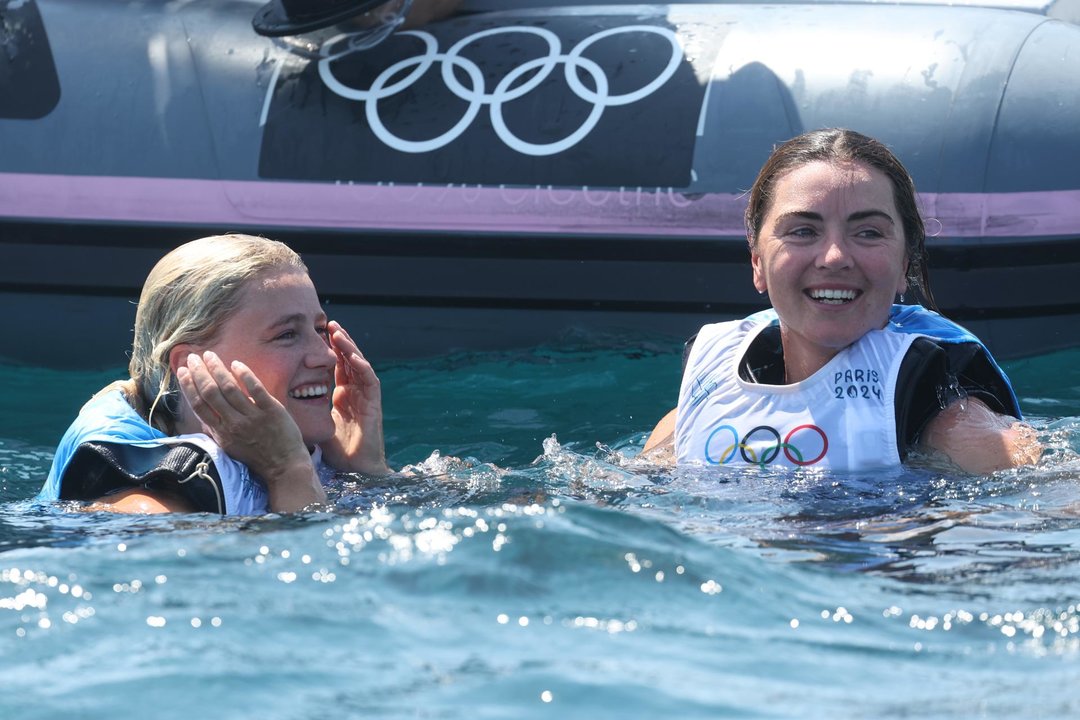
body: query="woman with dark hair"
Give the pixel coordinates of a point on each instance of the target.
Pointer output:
(836, 375)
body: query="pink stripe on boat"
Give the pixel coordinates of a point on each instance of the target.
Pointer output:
(626, 211)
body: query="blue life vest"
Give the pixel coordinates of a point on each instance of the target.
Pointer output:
(110, 446)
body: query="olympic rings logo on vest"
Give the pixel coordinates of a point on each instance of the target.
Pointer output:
(506, 90)
(724, 442)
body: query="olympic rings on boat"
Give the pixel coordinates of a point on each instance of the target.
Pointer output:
(476, 94)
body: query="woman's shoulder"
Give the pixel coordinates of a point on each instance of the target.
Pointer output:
(111, 448)
(733, 334)
(109, 414)
(918, 320)
(936, 372)
(106, 417)
(738, 328)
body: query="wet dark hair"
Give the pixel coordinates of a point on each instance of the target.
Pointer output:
(840, 145)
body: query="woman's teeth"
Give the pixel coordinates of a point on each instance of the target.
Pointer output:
(832, 297)
(311, 391)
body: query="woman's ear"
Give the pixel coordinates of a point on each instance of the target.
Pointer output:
(174, 399)
(759, 273)
(902, 286)
(178, 356)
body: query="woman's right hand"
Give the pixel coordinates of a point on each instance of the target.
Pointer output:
(251, 426)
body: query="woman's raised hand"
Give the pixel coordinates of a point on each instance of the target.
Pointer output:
(251, 426)
(357, 445)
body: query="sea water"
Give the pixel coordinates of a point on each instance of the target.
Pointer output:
(537, 568)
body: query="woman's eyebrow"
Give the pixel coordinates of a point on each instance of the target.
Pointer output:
(863, 214)
(290, 319)
(298, 318)
(802, 215)
(853, 217)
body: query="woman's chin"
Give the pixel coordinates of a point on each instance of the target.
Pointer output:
(317, 433)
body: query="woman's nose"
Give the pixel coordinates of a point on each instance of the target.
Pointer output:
(834, 252)
(319, 353)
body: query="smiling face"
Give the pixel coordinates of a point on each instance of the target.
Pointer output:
(279, 331)
(830, 252)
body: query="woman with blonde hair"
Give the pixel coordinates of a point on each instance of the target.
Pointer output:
(240, 392)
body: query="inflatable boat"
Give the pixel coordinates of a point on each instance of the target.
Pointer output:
(520, 169)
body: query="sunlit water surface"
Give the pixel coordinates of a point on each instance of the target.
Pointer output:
(538, 569)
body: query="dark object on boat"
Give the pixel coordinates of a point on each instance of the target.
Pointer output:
(292, 17)
(497, 178)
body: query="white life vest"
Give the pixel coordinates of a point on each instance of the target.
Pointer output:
(841, 418)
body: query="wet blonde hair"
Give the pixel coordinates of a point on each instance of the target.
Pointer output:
(186, 297)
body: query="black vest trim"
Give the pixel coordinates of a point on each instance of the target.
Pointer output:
(100, 468)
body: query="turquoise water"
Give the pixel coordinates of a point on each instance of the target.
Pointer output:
(545, 572)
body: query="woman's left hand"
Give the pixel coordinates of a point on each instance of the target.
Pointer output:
(357, 445)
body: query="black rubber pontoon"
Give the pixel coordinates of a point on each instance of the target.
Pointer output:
(494, 179)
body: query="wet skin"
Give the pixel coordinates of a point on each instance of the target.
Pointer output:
(832, 257)
(279, 331)
(278, 379)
